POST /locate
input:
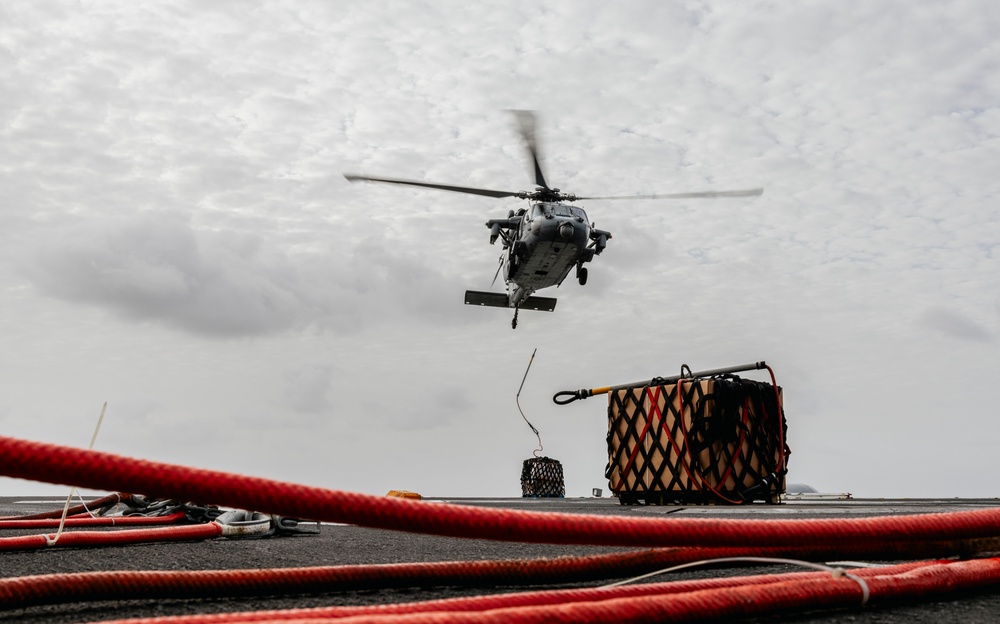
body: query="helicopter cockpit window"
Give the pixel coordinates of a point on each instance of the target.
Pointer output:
(537, 211)
(578, 212)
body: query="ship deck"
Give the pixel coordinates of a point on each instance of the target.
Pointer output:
(341, 544)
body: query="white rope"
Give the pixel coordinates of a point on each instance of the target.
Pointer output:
(50, 540)
(836, 572)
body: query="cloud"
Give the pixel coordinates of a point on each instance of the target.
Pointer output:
(437, 411)
(955, 324)
(307, 387)
(156, 267)
(170, 179)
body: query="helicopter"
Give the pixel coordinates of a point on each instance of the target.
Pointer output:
(545, 241)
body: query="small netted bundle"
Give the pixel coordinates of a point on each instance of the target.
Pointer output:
(542, 477)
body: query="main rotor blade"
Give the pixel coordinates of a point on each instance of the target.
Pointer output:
(741, 193)
(441, 187)
(495, 275)
(526, 124)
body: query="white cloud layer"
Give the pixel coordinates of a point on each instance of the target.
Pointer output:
(176, 237)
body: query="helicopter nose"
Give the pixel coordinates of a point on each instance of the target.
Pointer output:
(566, 230)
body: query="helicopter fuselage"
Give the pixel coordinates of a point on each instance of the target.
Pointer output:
(542, 245)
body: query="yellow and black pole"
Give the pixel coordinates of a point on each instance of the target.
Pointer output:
(568, 396)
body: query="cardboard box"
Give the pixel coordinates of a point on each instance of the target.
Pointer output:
(697, 441)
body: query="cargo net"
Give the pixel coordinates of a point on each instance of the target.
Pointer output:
(542, 477)
(697, 441)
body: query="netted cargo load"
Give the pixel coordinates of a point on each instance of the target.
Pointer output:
(718, 440)
(542, 477)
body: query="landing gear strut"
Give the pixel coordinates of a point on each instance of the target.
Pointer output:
(513, 323)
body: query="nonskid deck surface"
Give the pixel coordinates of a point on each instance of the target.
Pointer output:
(791, 503)
(804, 504)
(339, 544)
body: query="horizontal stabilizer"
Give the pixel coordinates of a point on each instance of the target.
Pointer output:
(542, 304)
(500, 300)
(491, 299)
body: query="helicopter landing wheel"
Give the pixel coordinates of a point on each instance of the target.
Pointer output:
(581, 274)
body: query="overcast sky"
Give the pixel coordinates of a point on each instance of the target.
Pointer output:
(176, 237)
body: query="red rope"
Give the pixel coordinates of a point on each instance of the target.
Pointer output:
(133, 585)
(779, 469)
(55, 464)
(77, 539)
(87, 521)
(690, 601)
(97, 503)
(522, 599)
(98, 470)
